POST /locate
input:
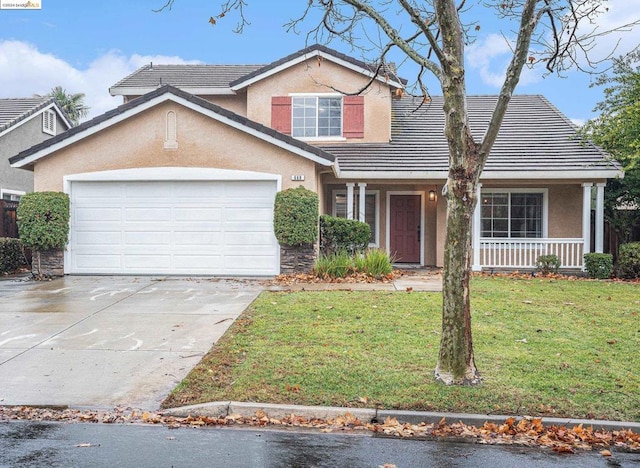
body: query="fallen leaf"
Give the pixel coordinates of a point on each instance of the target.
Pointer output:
(605, 453)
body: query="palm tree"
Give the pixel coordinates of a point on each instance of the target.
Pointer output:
(72, 104)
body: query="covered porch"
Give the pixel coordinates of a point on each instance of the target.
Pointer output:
(512, 226)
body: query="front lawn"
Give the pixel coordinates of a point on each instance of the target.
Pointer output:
(551, 347)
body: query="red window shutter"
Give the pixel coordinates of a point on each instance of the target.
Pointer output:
(353, 118)
(281, 114)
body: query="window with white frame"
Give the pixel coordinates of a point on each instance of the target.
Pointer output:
(370, 210)
(316, 116)
(10, 195)
(513, 213)
(49, 122)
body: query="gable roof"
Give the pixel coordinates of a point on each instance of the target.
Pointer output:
(169, 93)
(387, 75)
(13, 111)
(535, 141)
(228, 79)
(194, 79)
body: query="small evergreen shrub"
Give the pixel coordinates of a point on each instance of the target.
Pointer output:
(295, 217)
(546, 264)
(43, 220)
(598, 265)
(343, 234)
(629, 261)
(11, 256)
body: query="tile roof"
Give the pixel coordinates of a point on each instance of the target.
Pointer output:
(534, 136)
(184, 76)
(14, 110)
(218, 77)
(318, 152)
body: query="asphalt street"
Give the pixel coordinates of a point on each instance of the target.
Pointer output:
(102, 445)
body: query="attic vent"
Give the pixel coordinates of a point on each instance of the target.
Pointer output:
(49, 122)
(171, 131)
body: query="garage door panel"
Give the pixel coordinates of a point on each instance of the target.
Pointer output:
(145, 214)
(89, 261)
(195, 238)
(97, 238)
(169, 227)
(133, 238)
(98, 213)
(190, 213)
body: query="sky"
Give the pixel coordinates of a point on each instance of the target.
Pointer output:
(87, 47)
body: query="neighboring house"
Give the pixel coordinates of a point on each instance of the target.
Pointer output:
(25, 122)
(181, 178)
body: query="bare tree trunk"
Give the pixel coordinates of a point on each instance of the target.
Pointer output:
(456, 364)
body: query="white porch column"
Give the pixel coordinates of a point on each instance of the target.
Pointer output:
(361, 203)
(600, 217)
(586, 217)
(475, 242)
(350, 186)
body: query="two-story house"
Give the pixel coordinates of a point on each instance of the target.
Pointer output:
(181, 178)
(25, 122)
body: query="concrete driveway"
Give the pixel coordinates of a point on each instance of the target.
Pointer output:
(87, 341)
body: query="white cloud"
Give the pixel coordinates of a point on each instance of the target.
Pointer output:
(490, 55)
(25, 71)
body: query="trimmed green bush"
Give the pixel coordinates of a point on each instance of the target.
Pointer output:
(598, 265)
(546, 264)
(343, 234)
(295, 217)
(43, 220)
(11, 256)
(629, 261)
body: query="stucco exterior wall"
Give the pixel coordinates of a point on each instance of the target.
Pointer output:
(20, 138)
(310, 77)
(237, 103)
(202, 142)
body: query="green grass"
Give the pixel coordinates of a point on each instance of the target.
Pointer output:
(543, 346)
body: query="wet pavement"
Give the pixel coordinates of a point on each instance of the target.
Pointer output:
(97, 445)
(109, 341)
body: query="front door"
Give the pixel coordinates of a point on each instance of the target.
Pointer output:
(404, 228)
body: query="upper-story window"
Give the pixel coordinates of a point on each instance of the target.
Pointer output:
(315, 116)
(327, 116)
(49, 122)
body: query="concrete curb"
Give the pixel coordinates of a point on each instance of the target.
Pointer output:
(220, 409)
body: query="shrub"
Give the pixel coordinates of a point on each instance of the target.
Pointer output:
(295, 217)
(43, 220)
(11, 256)
(546, 264)
(598, 265)
(343, 234)
(376, 263)
(334, 265)
(629, 261)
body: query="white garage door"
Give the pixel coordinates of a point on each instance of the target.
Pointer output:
(173, 227)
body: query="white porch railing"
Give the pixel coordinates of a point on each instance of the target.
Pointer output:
(523, 253)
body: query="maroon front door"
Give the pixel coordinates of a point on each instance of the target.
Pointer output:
(404, 229)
